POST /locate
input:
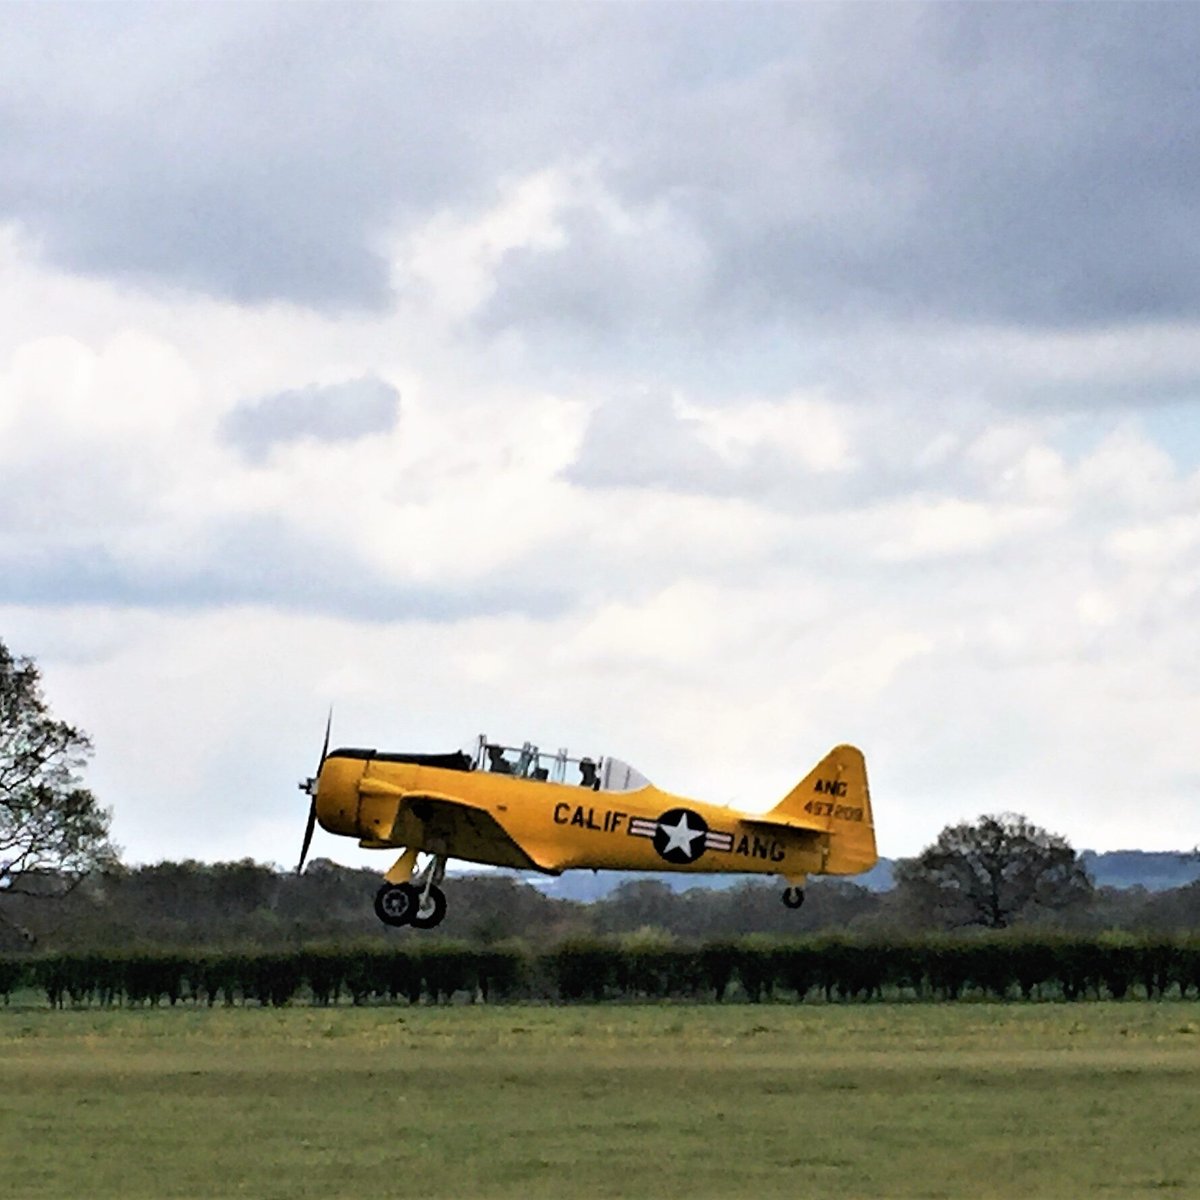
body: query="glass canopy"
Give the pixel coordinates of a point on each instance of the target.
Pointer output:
(527, 761)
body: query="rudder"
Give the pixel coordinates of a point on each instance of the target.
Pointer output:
(834, 797)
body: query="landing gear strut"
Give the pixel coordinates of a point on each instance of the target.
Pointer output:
(420, 902)
(793, 897)
(431, 908)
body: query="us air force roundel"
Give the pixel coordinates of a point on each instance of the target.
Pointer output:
(680, 835)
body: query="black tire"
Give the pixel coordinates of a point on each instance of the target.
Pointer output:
(793, 897)
(396, 903)
(433, 911)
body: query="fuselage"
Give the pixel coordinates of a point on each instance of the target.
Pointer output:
(481, 816)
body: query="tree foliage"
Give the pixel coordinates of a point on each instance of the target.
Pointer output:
(994, 872)
(246, 904)
(52, 830)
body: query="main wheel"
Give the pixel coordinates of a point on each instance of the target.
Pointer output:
(397, 903)
(793, 897)
(430, 910)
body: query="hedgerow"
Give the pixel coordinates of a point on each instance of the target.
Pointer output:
(649, 966)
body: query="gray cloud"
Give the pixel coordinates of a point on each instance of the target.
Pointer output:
(255, 153)
(1015, 163)
(640, 441)
(329, 413)
(257, 561)
(1024, 165)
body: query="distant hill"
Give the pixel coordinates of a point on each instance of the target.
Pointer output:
(588, 886)
(1155, 870)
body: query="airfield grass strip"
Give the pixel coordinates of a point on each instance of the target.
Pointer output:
(603, 1102)
(833, 970)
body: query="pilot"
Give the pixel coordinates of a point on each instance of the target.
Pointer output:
(496, 762)
(587, 774)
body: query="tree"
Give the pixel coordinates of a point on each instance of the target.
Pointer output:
(997, 871)
(52, 830)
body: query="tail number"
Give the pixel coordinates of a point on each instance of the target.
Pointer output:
(839, 812)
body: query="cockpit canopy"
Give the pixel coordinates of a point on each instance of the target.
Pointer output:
(601, 773)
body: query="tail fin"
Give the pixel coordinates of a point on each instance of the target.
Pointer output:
(834, 797)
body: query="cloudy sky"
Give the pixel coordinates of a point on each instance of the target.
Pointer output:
(700, 384)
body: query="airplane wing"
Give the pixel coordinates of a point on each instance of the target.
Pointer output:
(468, 831)
(814, 825)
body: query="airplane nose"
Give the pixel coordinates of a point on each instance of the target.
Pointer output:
(336, 799)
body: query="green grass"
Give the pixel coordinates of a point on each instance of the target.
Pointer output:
(706, 1101)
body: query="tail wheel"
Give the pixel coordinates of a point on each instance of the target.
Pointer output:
(793, 897)
(430, 909)
(397, 903)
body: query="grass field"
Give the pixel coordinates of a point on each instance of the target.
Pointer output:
(864, 1100)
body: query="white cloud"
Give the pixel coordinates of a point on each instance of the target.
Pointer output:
(452, 259)
(952, 527)
(807, 430)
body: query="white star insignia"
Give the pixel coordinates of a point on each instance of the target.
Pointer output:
(680, 836)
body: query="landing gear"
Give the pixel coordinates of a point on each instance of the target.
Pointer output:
(419, 902)
(397, 903)
(431, 908)
(793, 897)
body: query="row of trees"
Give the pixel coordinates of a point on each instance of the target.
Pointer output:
(640, 967)
(251, 905)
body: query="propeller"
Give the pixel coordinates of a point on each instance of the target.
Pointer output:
(310, 786)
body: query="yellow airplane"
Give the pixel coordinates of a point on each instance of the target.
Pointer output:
(524, 808)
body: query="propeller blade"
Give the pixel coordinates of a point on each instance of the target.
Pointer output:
(311, 788)
(308, 833)
(325, 746)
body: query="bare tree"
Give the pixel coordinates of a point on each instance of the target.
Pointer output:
(994, 872)
(52, 830)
